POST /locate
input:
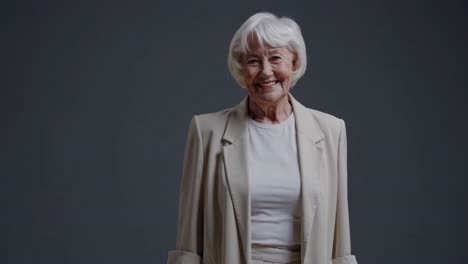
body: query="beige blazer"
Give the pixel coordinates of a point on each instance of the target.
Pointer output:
(214, 202)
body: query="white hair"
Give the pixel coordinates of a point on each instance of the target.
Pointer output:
(272, 31)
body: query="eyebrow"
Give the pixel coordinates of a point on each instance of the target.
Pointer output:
(275, 49)
(271, 51)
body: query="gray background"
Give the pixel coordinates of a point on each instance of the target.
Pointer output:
(96, 99)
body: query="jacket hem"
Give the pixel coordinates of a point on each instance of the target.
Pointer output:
(344, 260)
(183, 257)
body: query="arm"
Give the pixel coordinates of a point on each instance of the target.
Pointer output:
(189, 245)
(342, 241)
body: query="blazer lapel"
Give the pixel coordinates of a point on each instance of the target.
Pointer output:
(309, 138)
(235, 151)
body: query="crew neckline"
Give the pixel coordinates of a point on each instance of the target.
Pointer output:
(272, 126)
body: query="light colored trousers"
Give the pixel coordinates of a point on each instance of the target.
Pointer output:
(266, 255)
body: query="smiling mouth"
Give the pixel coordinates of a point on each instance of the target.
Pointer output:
(267, 84)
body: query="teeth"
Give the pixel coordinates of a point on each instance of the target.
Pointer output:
(267, 84)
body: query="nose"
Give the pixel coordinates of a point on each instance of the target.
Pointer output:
(267, 69)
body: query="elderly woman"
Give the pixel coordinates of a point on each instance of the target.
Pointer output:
(265, 181)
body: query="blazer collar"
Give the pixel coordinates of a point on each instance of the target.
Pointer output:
(305, 122)
(309, 138)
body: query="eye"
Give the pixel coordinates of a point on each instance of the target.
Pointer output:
(276, 58)
(252, 61)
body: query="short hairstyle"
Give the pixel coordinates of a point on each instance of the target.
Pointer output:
(270, 30)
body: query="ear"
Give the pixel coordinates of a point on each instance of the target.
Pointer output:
(243, 86)
(294, 63)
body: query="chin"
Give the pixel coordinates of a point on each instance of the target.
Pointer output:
(270, 98)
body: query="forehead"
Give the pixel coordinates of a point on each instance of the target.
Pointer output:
(265, 50)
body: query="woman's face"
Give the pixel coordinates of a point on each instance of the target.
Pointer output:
(268, 72)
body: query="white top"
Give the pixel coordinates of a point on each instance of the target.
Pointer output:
(275, 183)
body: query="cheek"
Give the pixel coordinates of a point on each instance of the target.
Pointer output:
(284, 76)
(247, 78)
(285, 73)
(249, 74)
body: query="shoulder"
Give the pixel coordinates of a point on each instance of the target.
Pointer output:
(326, 121)
(327, 124)
(208, 120)
(211, 123)
(331, 126)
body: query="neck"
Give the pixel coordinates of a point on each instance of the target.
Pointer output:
(270, 113)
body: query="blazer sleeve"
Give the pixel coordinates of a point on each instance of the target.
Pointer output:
(342, 240)
(189, 244)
